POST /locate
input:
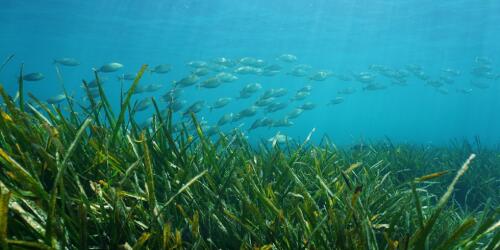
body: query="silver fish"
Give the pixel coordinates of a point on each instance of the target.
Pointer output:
(217, 67)
(284, 122)
(264, 102)
(210, 130)
(307, 106)
(172, 94)
(220, 103)
(225, 119)
(245, 70)
(187, 81)
(279, 92)
(301, 95)
(320, 75)
(249, 89)
(33, 77)
(251, 61)
(110, 67)
(336, 100)
(436, 83)
(224, 61)
(261, 122)
(197, 64)
(56, 99)
(93, 83)
(67, 61)
(250, 111)
(127, 77)
(143, 105)
(287, 58)
(295, 113)
(195, 107)
(147, 88)
(306, 88)
(177, 105)
(279, 139)
(226, 77)
(201, 71)
(273, 107)
(153, 87)
(267, 94)
(365, 77)
(161, 69)
(210, 83)
(300, 70)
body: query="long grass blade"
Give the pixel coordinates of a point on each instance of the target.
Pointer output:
(183, 188)
(420, 237)
(150, 179)
(6, 61)
(125, 104)
(455, 237)
(21, 88)
(50, 237)
(4, 210)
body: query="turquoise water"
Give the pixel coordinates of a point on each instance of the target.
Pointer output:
(344, 37)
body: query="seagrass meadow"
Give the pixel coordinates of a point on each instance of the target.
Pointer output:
(95, 179)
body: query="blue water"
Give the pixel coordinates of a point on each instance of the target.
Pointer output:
(341, 36)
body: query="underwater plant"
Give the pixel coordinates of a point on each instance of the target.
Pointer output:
(94, 180)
